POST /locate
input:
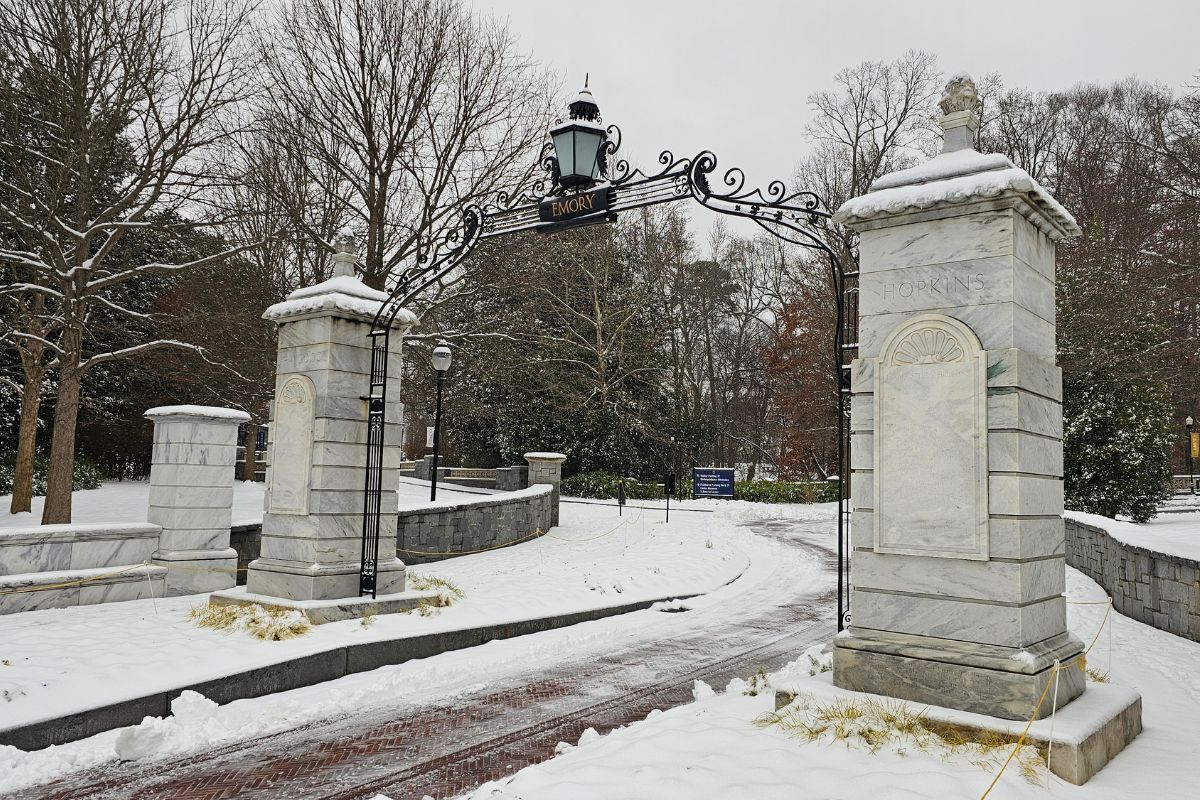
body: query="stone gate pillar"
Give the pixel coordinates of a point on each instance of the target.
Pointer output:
(316, 474)
(191, 495)
(957, 564)
(547, 468)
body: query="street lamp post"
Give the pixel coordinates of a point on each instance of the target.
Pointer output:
(441, 363)
(1189, 422)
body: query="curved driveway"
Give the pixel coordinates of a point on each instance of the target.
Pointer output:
(447, 748)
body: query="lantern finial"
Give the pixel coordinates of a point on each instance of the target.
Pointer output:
(584, 105)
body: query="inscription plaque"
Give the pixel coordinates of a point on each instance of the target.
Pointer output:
(291, 451)
(931, 441)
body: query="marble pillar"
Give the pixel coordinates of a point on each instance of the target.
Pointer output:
(316, 474)
(191, 495)
(957, 563)
(547, 468)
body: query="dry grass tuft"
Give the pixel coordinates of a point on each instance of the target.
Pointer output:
(368, 616)
(872, 724)
(268, 624)
(447, 593)
(1096, 675)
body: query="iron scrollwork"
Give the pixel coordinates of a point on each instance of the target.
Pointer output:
(798, 217)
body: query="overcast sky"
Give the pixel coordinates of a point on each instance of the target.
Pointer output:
(733, 76)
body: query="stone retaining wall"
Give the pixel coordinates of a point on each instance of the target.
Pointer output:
(1155, 588)
(57, 566)
(432, 532)
(247, 541)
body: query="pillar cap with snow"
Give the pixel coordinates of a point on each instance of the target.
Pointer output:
(545, 457)
(196, 414)
(343, 295)
(957, 177)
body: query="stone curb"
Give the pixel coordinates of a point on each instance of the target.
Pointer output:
(296, 673)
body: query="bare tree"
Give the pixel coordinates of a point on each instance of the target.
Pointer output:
(103, 129)
(875, 120)
(400, 111)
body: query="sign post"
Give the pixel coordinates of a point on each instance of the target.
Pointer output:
(621, 499)
(669, 489)
(713, 482)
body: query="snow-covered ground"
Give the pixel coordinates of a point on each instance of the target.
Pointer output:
(127, 501)
(712, 749)
(88, 656)
(1175, 534)
(58, 661)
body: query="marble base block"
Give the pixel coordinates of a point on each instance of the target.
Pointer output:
(198, 571)
(291, 581)
(319, 612)
(1078, 742)
(994, 680)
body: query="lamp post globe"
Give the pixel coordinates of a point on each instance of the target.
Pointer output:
(579, 142)
(441, 362)
(442, 357)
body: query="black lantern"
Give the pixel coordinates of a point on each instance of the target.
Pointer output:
(579, 143)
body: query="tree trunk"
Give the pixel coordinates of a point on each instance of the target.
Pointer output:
(31, 402)
(60, 479)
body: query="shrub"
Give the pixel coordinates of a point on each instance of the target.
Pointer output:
(1115, 445)
(603, 485)
(88, 475)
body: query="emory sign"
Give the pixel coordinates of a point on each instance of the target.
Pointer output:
(573, 207)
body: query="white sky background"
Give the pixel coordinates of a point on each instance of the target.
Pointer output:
(733, 76)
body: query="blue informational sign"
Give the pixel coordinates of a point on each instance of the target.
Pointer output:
(712, 482)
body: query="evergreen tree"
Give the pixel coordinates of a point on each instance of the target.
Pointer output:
(1115, 440)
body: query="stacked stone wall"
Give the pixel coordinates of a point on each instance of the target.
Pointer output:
(433, 532)
(1155, 588)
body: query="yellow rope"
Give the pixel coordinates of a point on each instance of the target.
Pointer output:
(609, 532)
(1024, 733)
(1080, 661)
(70, 584)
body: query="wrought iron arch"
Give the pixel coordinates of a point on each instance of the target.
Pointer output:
(799, 217)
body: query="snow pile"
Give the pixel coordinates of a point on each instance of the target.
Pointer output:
(343, 293)
(942, 167)
(212, 412)
(955, 177)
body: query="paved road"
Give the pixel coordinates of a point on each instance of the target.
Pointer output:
(443, 750)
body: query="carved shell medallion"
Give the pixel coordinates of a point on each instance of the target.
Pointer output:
(928, 346)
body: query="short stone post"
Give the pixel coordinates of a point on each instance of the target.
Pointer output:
(191, 495)
(956, 454)
(547, 468)
(312, 525)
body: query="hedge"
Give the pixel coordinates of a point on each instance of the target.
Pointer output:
(603, 485)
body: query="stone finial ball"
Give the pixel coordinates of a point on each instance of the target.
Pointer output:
(960, 95)
(345, 242)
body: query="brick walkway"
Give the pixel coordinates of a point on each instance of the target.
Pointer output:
(446, 749)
